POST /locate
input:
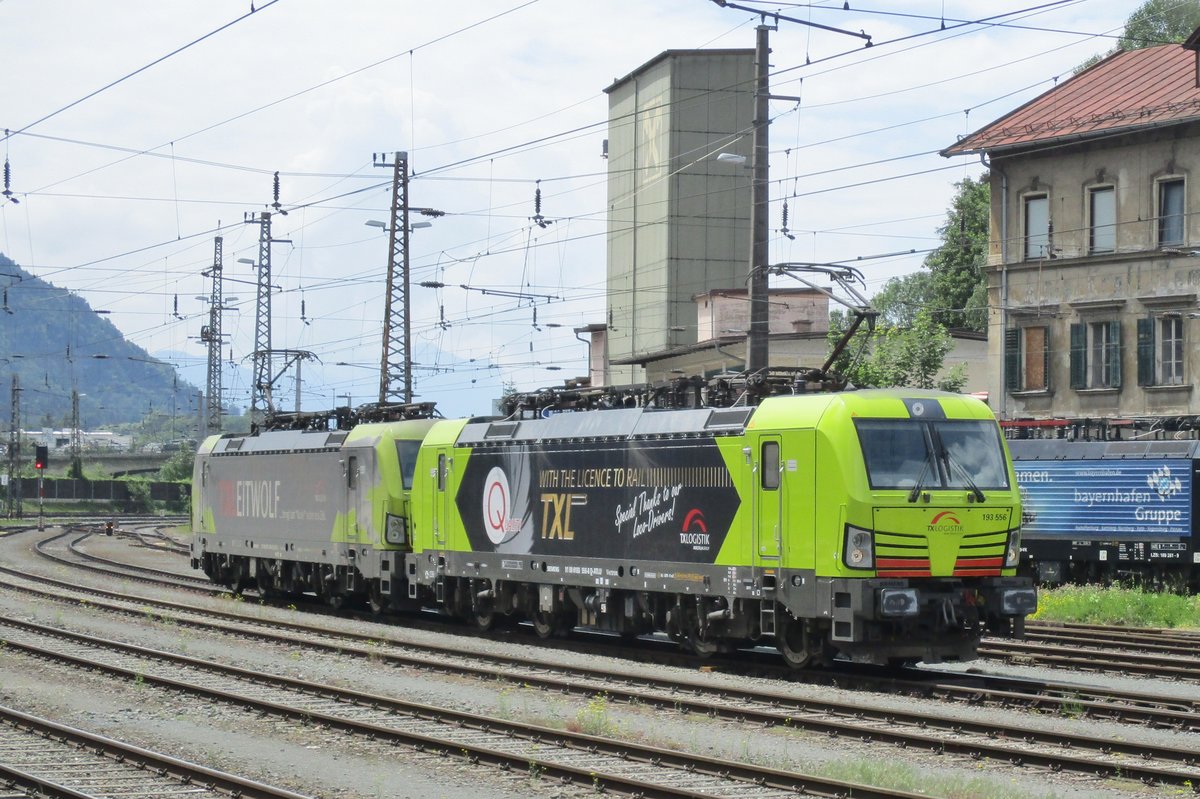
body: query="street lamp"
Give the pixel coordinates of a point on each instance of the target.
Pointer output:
(384, 228)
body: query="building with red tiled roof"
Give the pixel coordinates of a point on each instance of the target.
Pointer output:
(1092, 268)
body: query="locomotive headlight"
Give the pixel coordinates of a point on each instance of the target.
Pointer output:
(1012, 552)
(859, 552)
(1018, 601)
(899, 602)
(397, 530)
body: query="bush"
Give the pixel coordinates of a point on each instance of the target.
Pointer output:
(1093, 604)
(139, 497)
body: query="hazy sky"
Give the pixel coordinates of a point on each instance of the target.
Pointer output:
(122, 192)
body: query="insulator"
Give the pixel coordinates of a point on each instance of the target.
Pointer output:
(537, 199)
(7, 174)
(785, 216)
(276, 188)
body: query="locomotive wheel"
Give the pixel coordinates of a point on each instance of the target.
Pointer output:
(548, 624)
(375, 599)
(792, 643)
(482, 619)
(336, 601)
(543, 623)
(700, 647)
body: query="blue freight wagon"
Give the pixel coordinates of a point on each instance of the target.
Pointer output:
(1099, 511)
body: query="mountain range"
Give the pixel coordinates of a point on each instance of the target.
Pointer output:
(55, 343)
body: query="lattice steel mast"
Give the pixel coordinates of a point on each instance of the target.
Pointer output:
(395, 368)
(260, 402)
(211, 335)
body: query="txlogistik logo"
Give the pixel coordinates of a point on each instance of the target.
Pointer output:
(945, 522)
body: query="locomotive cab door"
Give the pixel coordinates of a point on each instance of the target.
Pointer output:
(784, 500)
(769, 508)
(440, 501)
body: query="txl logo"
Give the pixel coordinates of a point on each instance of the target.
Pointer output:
(945, 522)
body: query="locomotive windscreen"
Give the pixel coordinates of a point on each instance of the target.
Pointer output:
(936, 454)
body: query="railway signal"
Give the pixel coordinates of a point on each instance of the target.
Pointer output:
(41, 458)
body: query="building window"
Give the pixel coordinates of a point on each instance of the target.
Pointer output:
(1102, 207)
(1170, 212)
(1160, 350)
(1027, 359)
(1037, 227)
(1096, 355)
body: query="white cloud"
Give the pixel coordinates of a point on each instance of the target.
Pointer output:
(112, 234)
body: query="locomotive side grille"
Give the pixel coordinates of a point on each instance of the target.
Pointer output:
(901, 555)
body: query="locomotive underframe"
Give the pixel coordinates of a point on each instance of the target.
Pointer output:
(704, 608)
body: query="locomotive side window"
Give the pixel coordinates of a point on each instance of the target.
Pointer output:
(352, 473)
(407, 451)
(441, 475)
(770, 465)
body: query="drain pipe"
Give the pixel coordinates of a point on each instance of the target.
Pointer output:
(1002, 405)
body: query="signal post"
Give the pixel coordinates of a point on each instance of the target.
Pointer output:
(41, 455)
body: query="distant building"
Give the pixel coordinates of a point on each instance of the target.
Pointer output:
(1092, 269)
(678, 219)
(90, 441)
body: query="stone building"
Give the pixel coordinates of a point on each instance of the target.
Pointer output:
(1092, 270)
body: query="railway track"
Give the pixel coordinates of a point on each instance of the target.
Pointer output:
(1068, 699)
(1098, 659)
(976, 689)
(109, 567)
(1016, 744)
(943, 733)
(1158, 641)
(603, 763)
(45, 759)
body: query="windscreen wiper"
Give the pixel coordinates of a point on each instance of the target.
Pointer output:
(979, 497)
(916, 489)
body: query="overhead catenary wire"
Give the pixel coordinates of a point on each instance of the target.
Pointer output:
(500, 250)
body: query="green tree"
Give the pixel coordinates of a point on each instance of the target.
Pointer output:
(958, 264)
(1153, 22)
(902, 298)
(894, 355)
(1160, 22)
(179, 467)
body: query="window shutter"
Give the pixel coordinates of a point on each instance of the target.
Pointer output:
(1046, 359)
(1078, 356)
(1112, 354)
(1145, 351)
(1012, 359)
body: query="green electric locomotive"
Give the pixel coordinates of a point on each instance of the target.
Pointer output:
(881, 526)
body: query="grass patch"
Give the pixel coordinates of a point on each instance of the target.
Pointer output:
(1091, 604)
(903, 777)
(594, 718)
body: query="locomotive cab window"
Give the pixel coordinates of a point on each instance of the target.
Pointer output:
(406, 452)
(769, 465)
(352, 473)
(441, 473)
(942, 454)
